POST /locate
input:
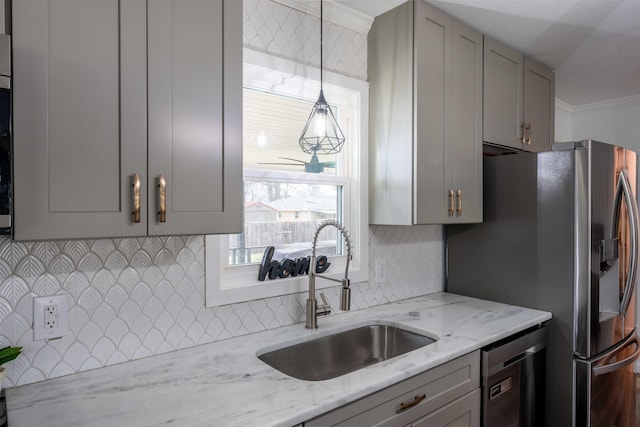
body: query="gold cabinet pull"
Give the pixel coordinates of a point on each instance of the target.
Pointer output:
(417, 399)
(528, 128)
(135, 191)
(459, 197)
(451, 203)
(523, 126)
(162, 199)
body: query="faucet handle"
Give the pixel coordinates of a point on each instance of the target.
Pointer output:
(324, 299)
(324, 308)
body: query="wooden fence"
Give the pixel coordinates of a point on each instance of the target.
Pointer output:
(250, 245)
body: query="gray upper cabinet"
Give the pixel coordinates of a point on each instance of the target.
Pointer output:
(465, 145)
(539, 106)
(79, 117)
(519, 100)
(108, 94)
(195, 116)
(425, 74)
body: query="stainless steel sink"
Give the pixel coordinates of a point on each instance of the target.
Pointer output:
(343, 352)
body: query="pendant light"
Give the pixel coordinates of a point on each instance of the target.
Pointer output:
(321, 133)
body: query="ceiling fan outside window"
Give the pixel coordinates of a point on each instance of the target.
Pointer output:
(271, 133)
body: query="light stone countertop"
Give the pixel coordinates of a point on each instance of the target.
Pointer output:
(225, 384)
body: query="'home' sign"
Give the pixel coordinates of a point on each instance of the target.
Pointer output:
(288, 267)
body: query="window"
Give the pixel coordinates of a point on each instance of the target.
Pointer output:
(287, 192)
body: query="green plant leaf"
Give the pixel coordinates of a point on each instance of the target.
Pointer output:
(7, 354)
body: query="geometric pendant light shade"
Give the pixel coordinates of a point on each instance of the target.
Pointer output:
(321, 133)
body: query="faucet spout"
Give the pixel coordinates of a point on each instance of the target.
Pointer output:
(313, 309)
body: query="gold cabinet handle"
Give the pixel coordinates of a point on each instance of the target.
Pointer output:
(162, 199)
(417, 399)
(451, 203)
(459, 197)
(523, 126)
(528, 127)
(135, 191)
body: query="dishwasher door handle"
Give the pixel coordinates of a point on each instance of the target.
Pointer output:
(498, 366)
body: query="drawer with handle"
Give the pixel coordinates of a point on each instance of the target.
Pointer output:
(411, 399)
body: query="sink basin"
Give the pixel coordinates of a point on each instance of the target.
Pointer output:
(343, 352)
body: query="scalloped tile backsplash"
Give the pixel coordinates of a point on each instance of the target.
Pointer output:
(138, 297)
(281, 31)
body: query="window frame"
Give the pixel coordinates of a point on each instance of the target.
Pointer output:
(232, 284)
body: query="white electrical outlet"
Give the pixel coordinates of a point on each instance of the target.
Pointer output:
(50, 317)
(381, 270)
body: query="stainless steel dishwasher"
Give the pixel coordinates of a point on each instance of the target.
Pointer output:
(513, 372)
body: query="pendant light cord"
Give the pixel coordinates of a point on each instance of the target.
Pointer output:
(321, 49)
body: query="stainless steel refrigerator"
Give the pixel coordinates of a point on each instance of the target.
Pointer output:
(560, 234)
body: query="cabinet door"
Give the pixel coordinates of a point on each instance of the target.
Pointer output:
(432, 389)
(79, 117)
(464, 412)
(539, 105)
(503, 91)
(433, 86)
(195, 115)
(464, 150)
(391, 117)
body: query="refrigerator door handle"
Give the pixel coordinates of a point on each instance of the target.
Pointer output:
(624, 189)
(608, 368)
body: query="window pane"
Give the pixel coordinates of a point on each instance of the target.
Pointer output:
(286, 215)
(272, 125)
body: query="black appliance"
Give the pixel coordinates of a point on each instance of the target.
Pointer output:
(5, 135)
(513, 379)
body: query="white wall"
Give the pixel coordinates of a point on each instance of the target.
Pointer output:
(563, 121)
(615, 122)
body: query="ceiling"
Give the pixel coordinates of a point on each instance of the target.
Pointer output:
(592, 45)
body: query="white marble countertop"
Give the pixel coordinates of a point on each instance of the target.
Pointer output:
(225, 384)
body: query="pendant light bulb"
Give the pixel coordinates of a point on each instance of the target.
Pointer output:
(321, 133)
(320, 123)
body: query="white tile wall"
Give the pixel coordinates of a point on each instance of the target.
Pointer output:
(281, 31)
(132, 298)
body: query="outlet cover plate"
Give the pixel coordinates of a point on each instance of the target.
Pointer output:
(40, 332)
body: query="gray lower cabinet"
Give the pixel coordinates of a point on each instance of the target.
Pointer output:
(447, 395)
(519, 100)
(463, 412)
(109, 97)
(425, 74)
